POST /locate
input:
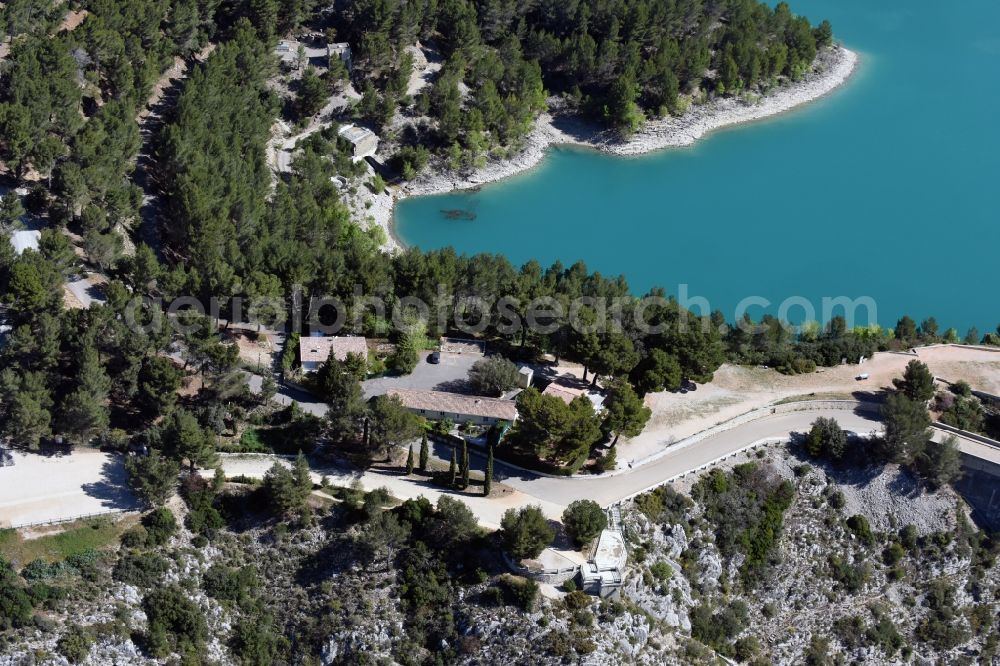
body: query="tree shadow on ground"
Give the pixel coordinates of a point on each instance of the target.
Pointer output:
(856, 469)
(112, 489)
(462, 386)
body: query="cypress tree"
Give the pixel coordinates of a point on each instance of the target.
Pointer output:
(424, 453)
(465, 464)
(488, 477)
(409, 461)
(453, 469)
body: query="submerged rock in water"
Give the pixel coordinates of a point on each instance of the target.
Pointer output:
(458, 214)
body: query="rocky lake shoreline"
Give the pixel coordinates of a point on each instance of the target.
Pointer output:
(832, 68)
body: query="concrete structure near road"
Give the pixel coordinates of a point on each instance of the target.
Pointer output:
(604, 573)
(288, 52)
(339, 51)
(364, 142)
(440, 405)
(524, 376)
(315, 351)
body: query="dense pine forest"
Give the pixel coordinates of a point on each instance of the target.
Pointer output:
(73, 124)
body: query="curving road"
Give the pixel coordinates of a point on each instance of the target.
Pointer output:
(612, 489)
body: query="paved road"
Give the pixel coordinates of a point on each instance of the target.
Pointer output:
(612, 489)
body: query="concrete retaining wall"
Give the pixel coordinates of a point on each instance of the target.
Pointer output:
(548, 576)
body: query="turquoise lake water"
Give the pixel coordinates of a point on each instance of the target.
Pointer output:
(887, 188)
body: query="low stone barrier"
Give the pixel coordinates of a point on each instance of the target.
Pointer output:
(550, 576)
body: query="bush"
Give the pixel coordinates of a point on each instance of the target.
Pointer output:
(717, 628)
(140, 569)
(135, 537)
(15, 603)
(584, 520)
(826, 439)
(175, 622)
(661, 571)
(664, 504)
(836, 498)
(859, 525)
(160, 526)
(227, 584)
(521, 592)
(256, 641)
(577, 600)
(75, 644)
(893, 554)
(851, 577)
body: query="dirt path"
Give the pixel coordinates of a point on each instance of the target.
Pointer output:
(150, 119)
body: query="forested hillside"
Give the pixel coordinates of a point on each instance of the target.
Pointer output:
(619, 60)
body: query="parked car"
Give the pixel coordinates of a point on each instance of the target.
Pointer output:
(434, 357)
(862, 377)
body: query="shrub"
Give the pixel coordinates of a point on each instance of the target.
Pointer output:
(135, 537)
(75, 644)
(851, 577)
(15, 603)
(661, 571)
(160, 526)
(227, 584)
(175, 622)
(884, 633)
(836, 499)
(140, 569)
(584, 520)
(664, 504)
(256, 641)
(859, 525)
(718, 628)
(577, 600)
(893, 554)
(826, 439)
(521, 592)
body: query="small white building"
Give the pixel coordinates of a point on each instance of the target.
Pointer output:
(289, 52)
(315, 351)
(364, 142)
(604, 573)
(524, 376)
(456, 407)
(339, 51)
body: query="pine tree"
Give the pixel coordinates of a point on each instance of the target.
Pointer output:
(424, 453)
(453, 469)
(465, 464)
(85, 410)
(488, 476)
(409, 461)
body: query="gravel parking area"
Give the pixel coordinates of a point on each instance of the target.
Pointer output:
(448, 375)
(54, 488)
